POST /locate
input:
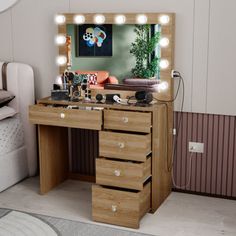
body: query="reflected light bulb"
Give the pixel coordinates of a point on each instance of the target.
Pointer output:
(61, 60)
(99, 19)
(164, 42)
(120, 19)
(60, 39)
(60, 19)
(163, 86)
(141, 19)
(79, 19)
(164, 64)
(164, 19)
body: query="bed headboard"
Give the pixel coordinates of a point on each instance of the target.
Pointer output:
(20, 81)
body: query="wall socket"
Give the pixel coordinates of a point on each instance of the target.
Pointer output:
(196, 147)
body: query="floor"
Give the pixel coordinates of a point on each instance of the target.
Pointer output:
(180, 215)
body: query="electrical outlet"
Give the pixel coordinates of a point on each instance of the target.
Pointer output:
(196, 147)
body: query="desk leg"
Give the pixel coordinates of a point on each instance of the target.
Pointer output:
(161, 177)
(53, 156)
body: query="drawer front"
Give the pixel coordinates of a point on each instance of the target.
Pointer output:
(124, 146)
(122, 174)
(84, 119)
(120, 207)
(127, 120)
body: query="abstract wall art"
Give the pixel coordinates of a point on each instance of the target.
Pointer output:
(93, 40)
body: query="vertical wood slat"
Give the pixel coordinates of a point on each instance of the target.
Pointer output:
(84, 151)
(212, 172)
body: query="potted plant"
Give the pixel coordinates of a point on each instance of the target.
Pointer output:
(143, 49)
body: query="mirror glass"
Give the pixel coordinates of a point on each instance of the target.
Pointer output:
(113, 48)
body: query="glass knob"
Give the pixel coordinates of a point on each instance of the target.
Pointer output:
(62, 115)
(114, 208)
(117, 173)
(121, 145)
(125, 119)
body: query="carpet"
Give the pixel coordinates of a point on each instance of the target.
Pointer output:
(17, 223)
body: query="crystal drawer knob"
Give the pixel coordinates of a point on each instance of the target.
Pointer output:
(125, 119)
(121, 145)
(117, 173)
(114, 208)
(62, 115)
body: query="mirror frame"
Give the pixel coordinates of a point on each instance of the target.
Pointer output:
(167, 30)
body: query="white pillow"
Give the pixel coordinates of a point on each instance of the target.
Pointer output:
(6, 112)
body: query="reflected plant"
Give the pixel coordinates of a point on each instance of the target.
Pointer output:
(147, 64)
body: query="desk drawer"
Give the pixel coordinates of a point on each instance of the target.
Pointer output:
(122, 174)
(119, 207)
(57, 116)
(127, 120)
(124, 146)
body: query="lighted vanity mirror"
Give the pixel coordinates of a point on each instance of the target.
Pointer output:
(113, 43)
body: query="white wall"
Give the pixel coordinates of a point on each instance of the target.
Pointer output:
(204, 43)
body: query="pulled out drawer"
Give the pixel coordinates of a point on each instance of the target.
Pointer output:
(127, 121)
(85, 119)
(120, 207)
(134, 147)
(122, 174)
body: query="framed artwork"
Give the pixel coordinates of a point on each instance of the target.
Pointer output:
(94, 40)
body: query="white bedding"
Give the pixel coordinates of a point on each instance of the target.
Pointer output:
(11, 134)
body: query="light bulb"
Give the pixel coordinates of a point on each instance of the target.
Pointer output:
(120, 19)
(99, 19)
(164, 64)
(79, 19)
(162, 86)
(141, 19)
(61, 60)
(164, 42)
(60, 39)
(60, 19)
(164, 19)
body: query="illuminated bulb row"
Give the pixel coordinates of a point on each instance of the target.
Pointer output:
(119, 19)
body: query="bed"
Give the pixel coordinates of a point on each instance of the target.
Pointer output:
(18, 156)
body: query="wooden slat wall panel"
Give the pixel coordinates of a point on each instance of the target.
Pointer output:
(212, 172)
(84, 150)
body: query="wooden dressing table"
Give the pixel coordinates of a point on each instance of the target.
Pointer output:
(131, 168)
(131, 146)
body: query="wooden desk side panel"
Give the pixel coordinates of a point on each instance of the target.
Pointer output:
(53, 156)
(161, 177)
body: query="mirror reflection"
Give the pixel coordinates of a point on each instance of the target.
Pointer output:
(116, 51)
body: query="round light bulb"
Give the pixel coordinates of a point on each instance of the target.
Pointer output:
(164, 19)
(60, 19)
(163, 86)
(164, 64)
(61, 60)
(99, 19)
(164, 42)
(120, 19)
(141, 19)
(79, 19)
(60, 39)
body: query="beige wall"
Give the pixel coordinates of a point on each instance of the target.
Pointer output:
(205, 46)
